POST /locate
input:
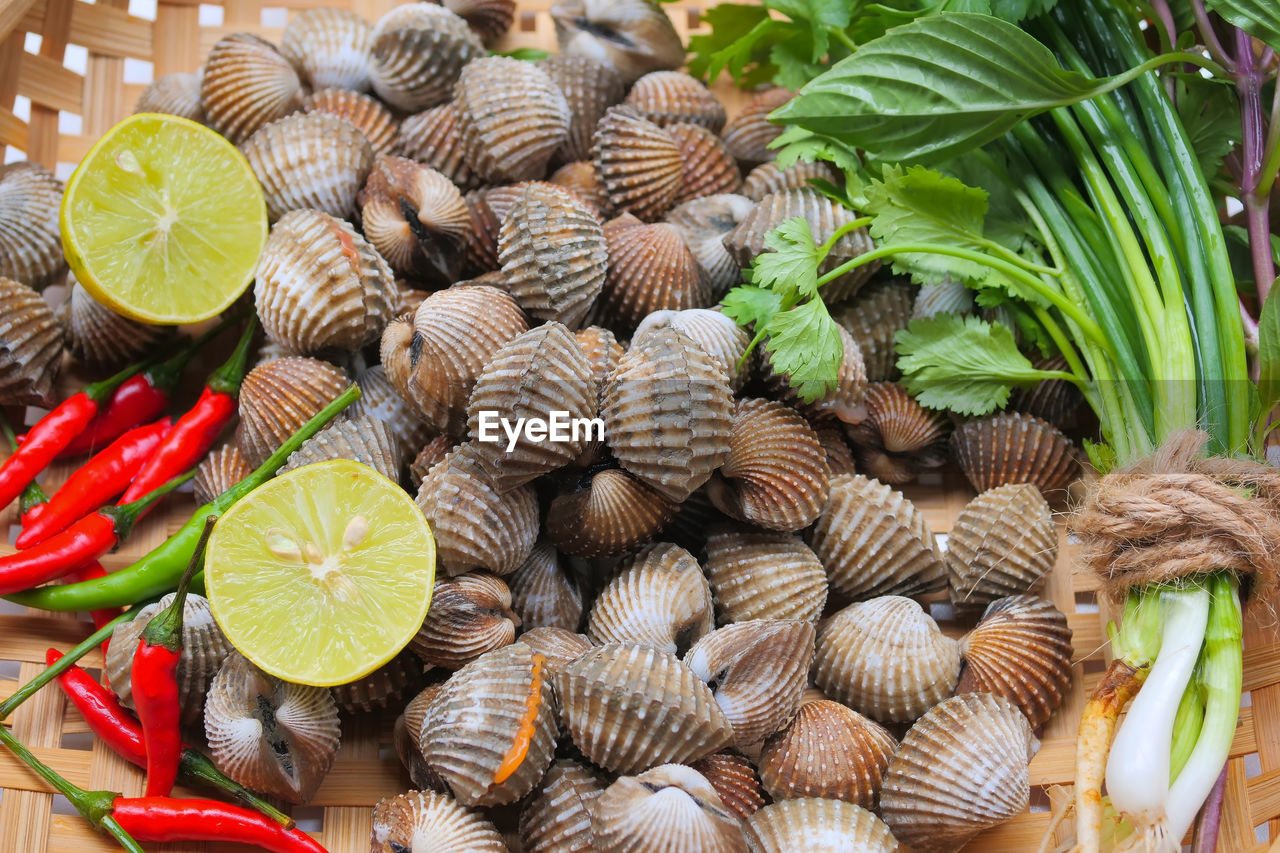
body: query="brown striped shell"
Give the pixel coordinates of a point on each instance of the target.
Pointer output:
(719, 336)
(557, 645)
(176, 94)
(879, 311)
(278, 397)
(219, 471)
(490, 733)
(330, 48)
(661, 600)
(380, 400)
(410, 821)
(367, 113)
(672, 97)
(898, 437)
(490, 19)
(769, 178)
(431, 138)
(382, 688)
(1004, 542)
(511, 118)
(553, 254)
(603, 351)
(30, 241)
(1021, 650)
(405, 734)
(543, 593)
(749, 133)
(606, 512)
(579, 178)
(704, 223)
(839, 456)
(1054, 400)
(650, 269)
(639, 163)
(709, 168)
(320, 284)
(247, 84)
(359, 438)
(671, 808)
(557, 816)
(629, 708)
(270, 735)
(1015, 448)
(416, 219)
(476, 526)
(886, 658)
(818, 825)
(764, 576)
(419, 50)
(316, 161)
(968, 744)
(827, 751)
(99, 336)
(776, 474)
(590, 87)
(633, 36)
(842, 401)
(735, 780)
(30, 346)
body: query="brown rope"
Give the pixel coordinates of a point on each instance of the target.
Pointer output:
(1179, 512)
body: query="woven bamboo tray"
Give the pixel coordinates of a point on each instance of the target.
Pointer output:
(58, 94)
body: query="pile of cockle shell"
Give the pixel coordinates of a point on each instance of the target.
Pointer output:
(702, 632)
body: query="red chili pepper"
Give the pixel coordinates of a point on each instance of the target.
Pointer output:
(33, 498)
(97, 482)
(167, 819)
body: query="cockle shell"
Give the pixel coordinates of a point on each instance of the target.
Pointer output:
(764, 576)
(204, 648)
(590, 87)
(818, 826)
(360, 438)
(839, 456)
(380, 400)
(219, 471)
(873, 541)
(557, 645)
(608, 512)
(419, 49)
(633, 36)
(1054, 400)
(431, 821)
(672, 97)
(749, 133)
(758, 670)
(886, 658)
(320, 284)
(842, 401)
(407, 728)
(432, 452)
(176, 94)
(879, 311)
(491, 731)
(381, 688)
(367, 113)
(961, 769)
(475, 525)
(671, 808)
(30, 346)
(709, 168)
(489, 18)
(719, 336)
(247, 83)
(431, 138)
(99, 336)
(639, 163)
(735, 780)
(270, 735)
(579, 178)
(776, 474)
(631, 707)
(557, 816)
(329, 47)
(650, 269)
(511, 118)
(416, 219)
(315, 161)
(1015, 448)
(704, 223)
(602, 350)
(1021, 650)
(949, 296)
(898, 437)
(553, 254)
(543, 593)
(661, 600)
(1003, 542)
(278, 397)
(768, 178)
(827, 751)
(30, 245)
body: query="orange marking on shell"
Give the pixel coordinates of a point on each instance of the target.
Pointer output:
(524, 735)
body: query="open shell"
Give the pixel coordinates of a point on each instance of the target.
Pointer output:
(590, 87)
(30, 245)
(247, 83)
(899, 437)
(219, 471)
(431, 138)
(661, 600)
(99, 336)
(316, 161)
(1015, 448)
(361, 439)
(416, 219)
(704, 223)
(1003, 542)
(673, 97)
(330, 47)
(765, 576)
(175, 94)
(30, 346)
(416, 819)
(633, 36)
(639, 163)
(671, 808)
(879, 311)
(278, 397)
(557, 817)
(608, 512)
(511, 118)
(543, 593)
(749, 133)
(383, 687)
(419, 50)
(818, 826)
(735, 780)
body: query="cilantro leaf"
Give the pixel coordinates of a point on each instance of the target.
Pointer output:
(748, 305)
(791, 269)
(804, 343)
(735, 31)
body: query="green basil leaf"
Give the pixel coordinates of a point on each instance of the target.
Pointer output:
(1258, 18)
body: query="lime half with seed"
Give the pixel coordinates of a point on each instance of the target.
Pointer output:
(323, 574)
(163, 220)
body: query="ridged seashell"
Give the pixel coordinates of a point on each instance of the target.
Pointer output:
(776, 474)
(668, 413)
(824, 217)
(828, 751)
(579, 178)
(673, 97)
(381, 688)
(511, 118)
(758, 671)
(361, 439)
(764, 576)
(633, 36)
(543, 593)
(475, 525)
(557, 817)
(432, 452)
(767, 178)
(640, 164)
(961, 769)
(629, 708)
(270, 735)
(431, 138)
(489, 18)
(278, 397)
(247, 83)
(30, 242)
(380, 400)
(720, 337)
(219, 471)
(320, 284)
(411, 821)
(589, 87)
(1002, 543)
(176, 94)
(876, 314)
(898, 437)
(609, 512)
(949, 296)
(749, 133)
(314, 161)
(602, 350)
(709, 168)
(419, 49)
(204, 648)
(818, 826)
(330, 47)
(416, 219)
(470, 615)
(704, 223)
(491, 732)
(557, 645)
(481, 254)
(30, 346)
(368, 114)
(662, 600)
(873, 541)
(407, 728)
(671, 808)
(735, 780)
(99, 336)
(886, 658)
(839, 456)
(553, 254)
(1015, 448)
(842, 401)
(1054, 400)
(650, 269)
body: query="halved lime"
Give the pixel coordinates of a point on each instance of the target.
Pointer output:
(323, 574)
(163, 220)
